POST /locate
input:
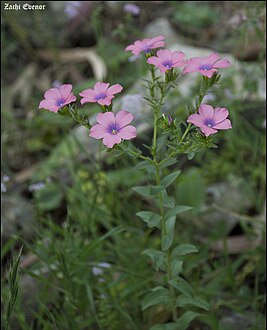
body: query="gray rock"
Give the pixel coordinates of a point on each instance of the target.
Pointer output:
(230, 197)
(235, 322)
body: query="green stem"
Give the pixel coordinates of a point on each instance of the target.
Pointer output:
(160, 195)
(199, 101)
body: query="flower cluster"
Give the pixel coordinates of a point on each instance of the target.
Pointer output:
(209, 120)
(113, 128)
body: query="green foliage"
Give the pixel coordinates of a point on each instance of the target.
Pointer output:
(159, 295)
(13, 284)
(195, 14)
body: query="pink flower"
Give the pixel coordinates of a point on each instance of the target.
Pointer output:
(146, 45)
(56, 98)
(207, 66)
(113, 128)
(209, 120)
(166, 59)
(101, 93)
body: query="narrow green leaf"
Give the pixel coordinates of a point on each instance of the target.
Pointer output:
(184, 321)
(148, 191)
(168, 162)
(168, 201)
(157, 257)
(196, 301)
(150, 218)
(159, 295)
(167, 239)
(177, 266)
(167, 326)
(183, 249)
(177, 210)
(191, 155)
(169, 179)
(182, 286)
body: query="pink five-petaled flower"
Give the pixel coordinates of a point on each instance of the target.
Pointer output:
(56, 98)
(101, 93)
(210, 120)
(113, 128)
(146, 45)
(166, 59)
(207, 65)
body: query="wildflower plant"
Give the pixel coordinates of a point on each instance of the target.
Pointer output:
(116, 129)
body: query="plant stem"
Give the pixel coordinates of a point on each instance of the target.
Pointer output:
(160, 195)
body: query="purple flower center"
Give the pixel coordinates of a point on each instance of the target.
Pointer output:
(146, 49)
(100, 96)
(113, 129)
(205, 67)
(60, 102)
(209, 122)
(167, 64)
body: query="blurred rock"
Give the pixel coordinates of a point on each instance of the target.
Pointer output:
(235, 321)
(231, 198)
(18, 217)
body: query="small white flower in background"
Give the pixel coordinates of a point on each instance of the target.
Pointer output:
(134, 58)
(98, 270)
(56, 84)
(36, 186)
(72, 8)
(131, 9)
(3, 187)
(237, 19)
(4, 180)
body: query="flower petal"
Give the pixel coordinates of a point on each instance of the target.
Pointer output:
(206, 111)
(106, 118)
(49, 105)
(208, 130)
(208, 73)
(212, 58)
(71, 98)
(65, 90)
(190, 68)
(106, 101)
(154, 60)
(88, 93)
(195, 119)
(123, 118)
(98, 131)
(220, 114)
(100, 88)
(222, 64)
(110, 139)
(53, 94)
(127, 132)
(225, 124)
(164, 55)
(196, 61)
(178, 57)
(114, 89)
(157, 39)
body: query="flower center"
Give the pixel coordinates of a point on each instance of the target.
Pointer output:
(209, 122)
(100, 96)
(113, 129)
(60, 102)
(146, 49)
(167, 64)
(205, 67)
